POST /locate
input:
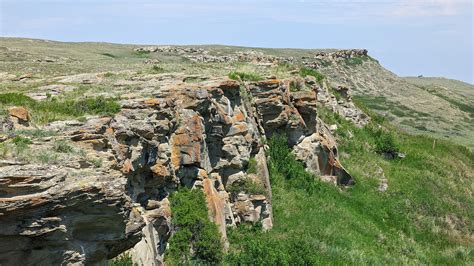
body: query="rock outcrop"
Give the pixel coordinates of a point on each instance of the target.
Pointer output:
(202, 135)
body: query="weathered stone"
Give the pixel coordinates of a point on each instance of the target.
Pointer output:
(113, 197)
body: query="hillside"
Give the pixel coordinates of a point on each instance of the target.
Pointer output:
(410, 103)
(223, 155)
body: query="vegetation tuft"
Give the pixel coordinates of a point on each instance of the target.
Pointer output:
(197, 239)
(304, 71)
(54, 109)
(246, 185)
(124, 259)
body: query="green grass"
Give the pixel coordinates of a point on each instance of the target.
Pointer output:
(51, 110)
(122, 260)
(63, 147)
(425, 217)
(245, 76)
(142, 54)
(157, 69)
(196, 240)
(304, 71)
(252, 166)
(248, 186)
(355, 61)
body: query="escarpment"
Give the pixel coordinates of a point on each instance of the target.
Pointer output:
(90, 206)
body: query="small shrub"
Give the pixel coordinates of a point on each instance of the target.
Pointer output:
(247, 96)
(19, 140)
(246, 185)
(63, 147)
(157, 69)
(142, 54)
(109, 75)
(384, 141)
(47, 158)
(354, 61)
(244, 76)
(197, 239)
(285, 168)
(96, 162)
(124, 259)
(252, 166)
(294, 86)
(311, 72)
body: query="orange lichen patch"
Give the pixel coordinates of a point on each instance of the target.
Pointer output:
(152, 102)
(270, 82)
(195, 125)
(242, 127)
(159, 170)
(127, 167)
(175, 154)
(239, 116)
(109, 131)
(229, 84)
(181, 139)
(19, 112)
(215, 205)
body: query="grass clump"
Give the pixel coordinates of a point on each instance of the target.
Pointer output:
(63, 147)
(197, 239)
(252, 166)
(385, 142)
(157, 69)
(246, 185)
(353, 61)
(47, 158)
(124, 259)
(304, 71)
(245, 76)
(55, 109)
(142, 54)
(287, 170)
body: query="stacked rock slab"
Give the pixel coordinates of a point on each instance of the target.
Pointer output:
(199, 135)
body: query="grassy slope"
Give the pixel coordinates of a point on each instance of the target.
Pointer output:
(426, 215)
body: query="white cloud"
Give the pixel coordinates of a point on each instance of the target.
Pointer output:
(433, 8)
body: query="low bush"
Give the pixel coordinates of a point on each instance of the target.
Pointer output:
(142, 54)
(252, 166)
(197, 239)
(286, 169)
(248, 186)
(63, 147)
(122, 260)
(157, 69)
(304, 71)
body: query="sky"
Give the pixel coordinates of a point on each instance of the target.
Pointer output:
(409, 37)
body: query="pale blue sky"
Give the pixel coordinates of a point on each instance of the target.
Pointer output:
(409, 37)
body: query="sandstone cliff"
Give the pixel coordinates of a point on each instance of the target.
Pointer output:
(87, 207)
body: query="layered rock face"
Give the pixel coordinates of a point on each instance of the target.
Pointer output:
(200, 135)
